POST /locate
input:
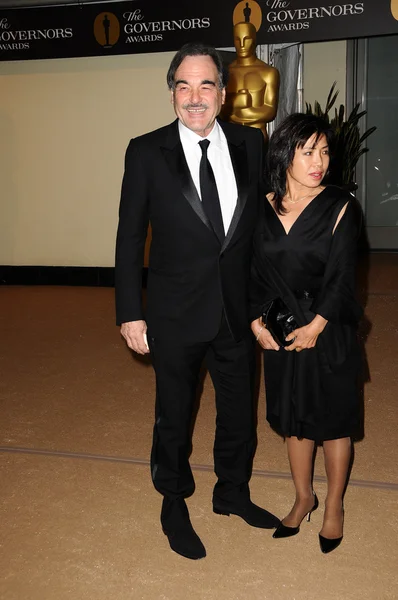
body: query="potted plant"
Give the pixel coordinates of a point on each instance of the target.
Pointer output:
(349, 143)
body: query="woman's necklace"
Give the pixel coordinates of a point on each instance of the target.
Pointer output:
(299, 199)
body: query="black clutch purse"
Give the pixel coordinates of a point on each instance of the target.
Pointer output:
(280, 321)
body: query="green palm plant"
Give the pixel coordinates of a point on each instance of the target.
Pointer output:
(349, 143)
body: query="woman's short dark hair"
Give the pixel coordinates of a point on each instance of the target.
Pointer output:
(292, 133)
(197, 49)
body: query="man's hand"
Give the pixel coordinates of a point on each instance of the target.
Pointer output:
(263, 336)
(134, 332)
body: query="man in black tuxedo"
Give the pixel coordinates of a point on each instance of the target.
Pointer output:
(201, 201)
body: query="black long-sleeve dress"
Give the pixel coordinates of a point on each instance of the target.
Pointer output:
(314, 393)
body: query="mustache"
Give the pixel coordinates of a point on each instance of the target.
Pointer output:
(197, 105)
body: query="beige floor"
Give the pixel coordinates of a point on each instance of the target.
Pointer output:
(79, 518)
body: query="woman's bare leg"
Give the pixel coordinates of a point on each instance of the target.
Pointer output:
(300, 453)
(337, 455)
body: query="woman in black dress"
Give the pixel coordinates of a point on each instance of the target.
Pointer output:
(305, 254)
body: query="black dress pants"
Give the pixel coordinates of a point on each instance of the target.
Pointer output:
(177, 367)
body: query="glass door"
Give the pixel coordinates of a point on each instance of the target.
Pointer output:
(375, 74)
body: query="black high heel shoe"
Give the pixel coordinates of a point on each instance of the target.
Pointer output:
(329, 544)
(282, 531)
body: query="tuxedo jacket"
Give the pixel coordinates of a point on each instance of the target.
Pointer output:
(192, 278)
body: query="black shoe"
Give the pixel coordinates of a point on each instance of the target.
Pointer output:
(283, 531)
(329, 544)
(249, 512)
(176, 524)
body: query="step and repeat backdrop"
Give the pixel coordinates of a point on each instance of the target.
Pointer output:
(138, 26)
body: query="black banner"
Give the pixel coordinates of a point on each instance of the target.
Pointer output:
(135, 26)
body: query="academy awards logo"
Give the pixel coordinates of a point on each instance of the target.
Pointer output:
(248, 12)
(394, 9)
(106, 29)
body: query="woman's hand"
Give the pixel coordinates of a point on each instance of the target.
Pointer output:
(307, 336)
(263, 336)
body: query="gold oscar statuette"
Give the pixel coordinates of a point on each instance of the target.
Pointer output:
(253, 86)
(394, 9)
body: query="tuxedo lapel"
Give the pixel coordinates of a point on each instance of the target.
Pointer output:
(175, 158)
(238, 153)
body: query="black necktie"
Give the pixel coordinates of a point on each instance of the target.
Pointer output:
(208, 190)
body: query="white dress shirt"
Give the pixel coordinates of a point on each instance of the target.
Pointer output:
(220, 160)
